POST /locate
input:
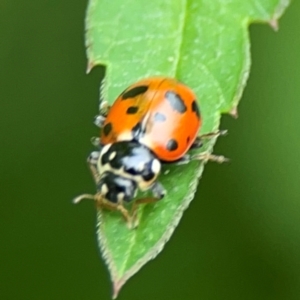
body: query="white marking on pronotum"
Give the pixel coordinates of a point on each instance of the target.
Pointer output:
(104, 189)
(112, 155)
(105, 149)
(120, 197)
(156, 166)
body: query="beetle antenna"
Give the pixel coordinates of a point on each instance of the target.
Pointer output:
(83, 196)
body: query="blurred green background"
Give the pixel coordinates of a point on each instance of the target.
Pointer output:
(240, 238)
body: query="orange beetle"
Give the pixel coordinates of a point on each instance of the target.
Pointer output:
(160, 113)
(154, 120)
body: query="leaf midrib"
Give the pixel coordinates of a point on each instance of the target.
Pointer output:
(181, 30)
(176, 62)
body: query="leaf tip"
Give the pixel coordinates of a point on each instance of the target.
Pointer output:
(274, 24)
(89, 67)
(117, 285)
(234, 112)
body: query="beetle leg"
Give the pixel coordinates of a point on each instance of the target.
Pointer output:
(158, 190)
(206, 156)
(213, 134)
(97, 198)
(134, 209)
(99, 120)
(102, 203)
(119, 207)
(83, 196)
(198, 141)
(185, 159)
(103, 111)
(92, 163)
(127, 216)
(104, 108)
(96, 142)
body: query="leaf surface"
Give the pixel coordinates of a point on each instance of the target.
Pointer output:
(203, 43)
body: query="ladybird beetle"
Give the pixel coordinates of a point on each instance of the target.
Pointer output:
(160, 113)
(153, 121)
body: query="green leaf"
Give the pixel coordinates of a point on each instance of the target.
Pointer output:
(203, 43)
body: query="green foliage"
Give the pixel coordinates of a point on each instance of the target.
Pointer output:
(202, 43)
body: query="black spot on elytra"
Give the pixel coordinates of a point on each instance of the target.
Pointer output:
(159, 117)
(188, 140)
(195, 108)
(132, 110)
(135, 91)
(172, 145)
(176, 102)
(107, 129)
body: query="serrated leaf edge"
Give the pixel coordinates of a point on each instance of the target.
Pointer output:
(155, 250)
(117, 281)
